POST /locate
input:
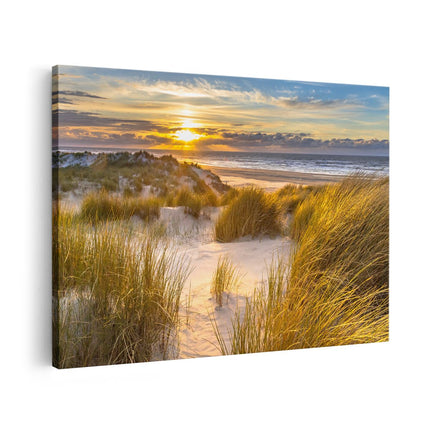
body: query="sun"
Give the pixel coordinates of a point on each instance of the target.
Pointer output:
(187, 135)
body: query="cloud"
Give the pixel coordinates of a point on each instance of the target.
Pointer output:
(294, 140)
(69, 75)
(74, 118)
(314, 103)
(199, 91)
(92, 128)
(98, 138)
(62, 100)
(76, 94)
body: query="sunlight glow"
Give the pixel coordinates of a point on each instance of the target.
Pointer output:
(189, 123)
(187, 119)
(187, 135)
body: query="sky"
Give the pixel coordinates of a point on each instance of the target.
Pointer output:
(128, 109)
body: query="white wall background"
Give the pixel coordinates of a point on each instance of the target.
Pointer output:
(367, 42)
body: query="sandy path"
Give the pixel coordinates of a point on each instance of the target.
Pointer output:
(194, 239)
(197, 338)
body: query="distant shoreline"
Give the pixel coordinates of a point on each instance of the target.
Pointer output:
(269, 179)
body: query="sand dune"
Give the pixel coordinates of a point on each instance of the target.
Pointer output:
(194, 238)
(197, 339)
(250, 256)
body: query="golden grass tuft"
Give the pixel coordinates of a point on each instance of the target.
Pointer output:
(335, 290)
(101, 206)
(290, 196)
(211, 199)
(228, 196)
(191, 201)
(225, 278)
(345, 227)
(116, 293)
(252, 212)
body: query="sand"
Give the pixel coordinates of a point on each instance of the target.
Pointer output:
(270, 179)
(251, 257)
(195, 240)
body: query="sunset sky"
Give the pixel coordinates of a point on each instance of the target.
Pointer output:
(127, 109)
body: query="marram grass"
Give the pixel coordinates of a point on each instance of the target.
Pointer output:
(290, 196)
(192, 202)
(252, 212)
(225, 278)
(101, 206)
(334, 291)
(118, 293)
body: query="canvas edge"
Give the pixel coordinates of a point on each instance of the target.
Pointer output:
(55, 302)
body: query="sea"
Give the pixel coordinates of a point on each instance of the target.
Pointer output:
(328, 164)
(306, 163)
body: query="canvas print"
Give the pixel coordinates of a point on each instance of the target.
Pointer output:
(199, 215)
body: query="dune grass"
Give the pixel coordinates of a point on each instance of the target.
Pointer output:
(228, 196)
(251, 212)
(210, 198)
(191, 201)
(225, 278)
(334, 291)
(117, 293)
(115, 172)
(169, 182)
(345, 226)
(101, 206)
(290, 196)
(108, 168)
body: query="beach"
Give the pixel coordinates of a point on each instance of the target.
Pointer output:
(270, 179)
